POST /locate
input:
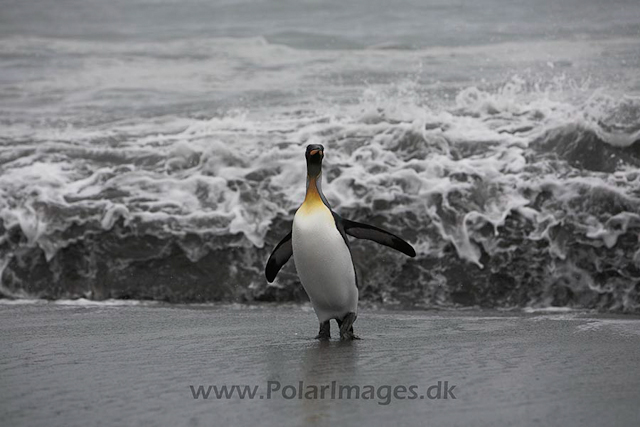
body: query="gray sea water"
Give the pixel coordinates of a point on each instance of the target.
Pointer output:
(154, 149)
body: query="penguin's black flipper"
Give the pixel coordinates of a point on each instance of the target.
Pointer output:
(378, 235)
(278, 258)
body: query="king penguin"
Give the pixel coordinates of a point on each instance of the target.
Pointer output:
(322, 256)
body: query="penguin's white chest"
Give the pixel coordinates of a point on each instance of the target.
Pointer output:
(324, 264)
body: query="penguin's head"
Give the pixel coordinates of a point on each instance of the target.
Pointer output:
(314, 155)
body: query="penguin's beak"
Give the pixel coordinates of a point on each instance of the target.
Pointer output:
(314, 160)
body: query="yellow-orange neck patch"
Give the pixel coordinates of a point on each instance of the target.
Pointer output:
(312, 200)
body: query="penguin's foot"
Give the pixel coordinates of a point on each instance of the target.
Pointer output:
(346, 327)
(349, 336)
(325, 331)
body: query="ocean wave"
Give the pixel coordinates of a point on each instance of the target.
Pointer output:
(512, 197)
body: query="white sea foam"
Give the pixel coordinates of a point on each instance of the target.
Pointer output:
(549, 310)
(199, 178)
(80, 302)
(25, 301)
(206, 138)
(83, 302)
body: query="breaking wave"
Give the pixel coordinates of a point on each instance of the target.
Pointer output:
(512, 197)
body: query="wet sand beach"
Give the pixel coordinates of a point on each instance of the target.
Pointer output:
(133, 365)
